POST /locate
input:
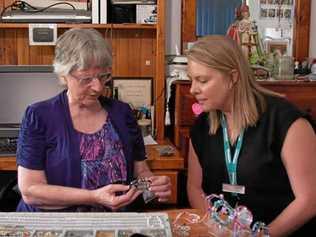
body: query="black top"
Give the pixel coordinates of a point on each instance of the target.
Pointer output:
(259, 169)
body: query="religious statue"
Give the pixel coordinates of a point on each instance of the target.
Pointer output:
(245, 32)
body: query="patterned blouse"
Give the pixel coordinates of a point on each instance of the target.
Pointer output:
(102, 160)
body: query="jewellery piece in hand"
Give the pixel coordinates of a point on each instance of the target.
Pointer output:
(141, 184)
(148, 196)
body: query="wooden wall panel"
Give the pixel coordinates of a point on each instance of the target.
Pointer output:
(2, 47)
(9, 44)
(147, 53)
(188, 21)
(47, 55)
(35, 55)
(160, 72)
(127, 61)
(7, 2)
(131, 49)
(301, 29)
(23, 51)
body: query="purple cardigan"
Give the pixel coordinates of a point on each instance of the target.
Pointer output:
(49, 142)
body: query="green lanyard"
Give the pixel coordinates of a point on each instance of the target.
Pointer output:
(231, 165)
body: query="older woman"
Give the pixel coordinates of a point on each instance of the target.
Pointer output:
(249, 143)
(78, 149)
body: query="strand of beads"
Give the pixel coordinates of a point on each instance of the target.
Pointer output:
(228, 221)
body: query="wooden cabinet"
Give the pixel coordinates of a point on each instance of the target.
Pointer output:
(184, 116)
(160, 165)
(138, 51)
(300, 93)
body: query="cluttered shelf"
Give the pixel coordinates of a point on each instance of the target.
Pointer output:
(86, 25)
(157, 160)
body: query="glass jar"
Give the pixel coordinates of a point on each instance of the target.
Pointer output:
(286, 68)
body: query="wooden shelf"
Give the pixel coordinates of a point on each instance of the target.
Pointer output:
(97, 26)
(138, 51)
(7, 163)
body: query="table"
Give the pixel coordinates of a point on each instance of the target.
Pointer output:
(197, 229)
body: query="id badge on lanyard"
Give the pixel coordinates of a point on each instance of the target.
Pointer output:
(231, 164)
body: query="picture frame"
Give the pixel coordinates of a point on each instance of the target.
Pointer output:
(273, 10)
(135, 91)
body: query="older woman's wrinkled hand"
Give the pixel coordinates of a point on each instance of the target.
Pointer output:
(108, 196)
(161, 187)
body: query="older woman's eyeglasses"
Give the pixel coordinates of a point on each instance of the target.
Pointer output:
(104, 78)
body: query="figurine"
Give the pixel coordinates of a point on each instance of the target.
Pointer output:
(245, 32)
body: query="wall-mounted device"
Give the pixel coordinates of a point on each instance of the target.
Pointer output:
(42, 34)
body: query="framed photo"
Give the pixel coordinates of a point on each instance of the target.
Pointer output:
(135, 91)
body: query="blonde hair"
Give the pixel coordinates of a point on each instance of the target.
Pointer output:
(80, 49)
(224, 54)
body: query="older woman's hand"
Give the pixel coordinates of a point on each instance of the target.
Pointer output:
(161, 187)
(108, 196)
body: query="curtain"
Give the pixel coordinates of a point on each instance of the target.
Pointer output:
(215, 16)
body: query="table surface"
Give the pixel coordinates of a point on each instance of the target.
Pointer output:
(192, 219)
(198, 229)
